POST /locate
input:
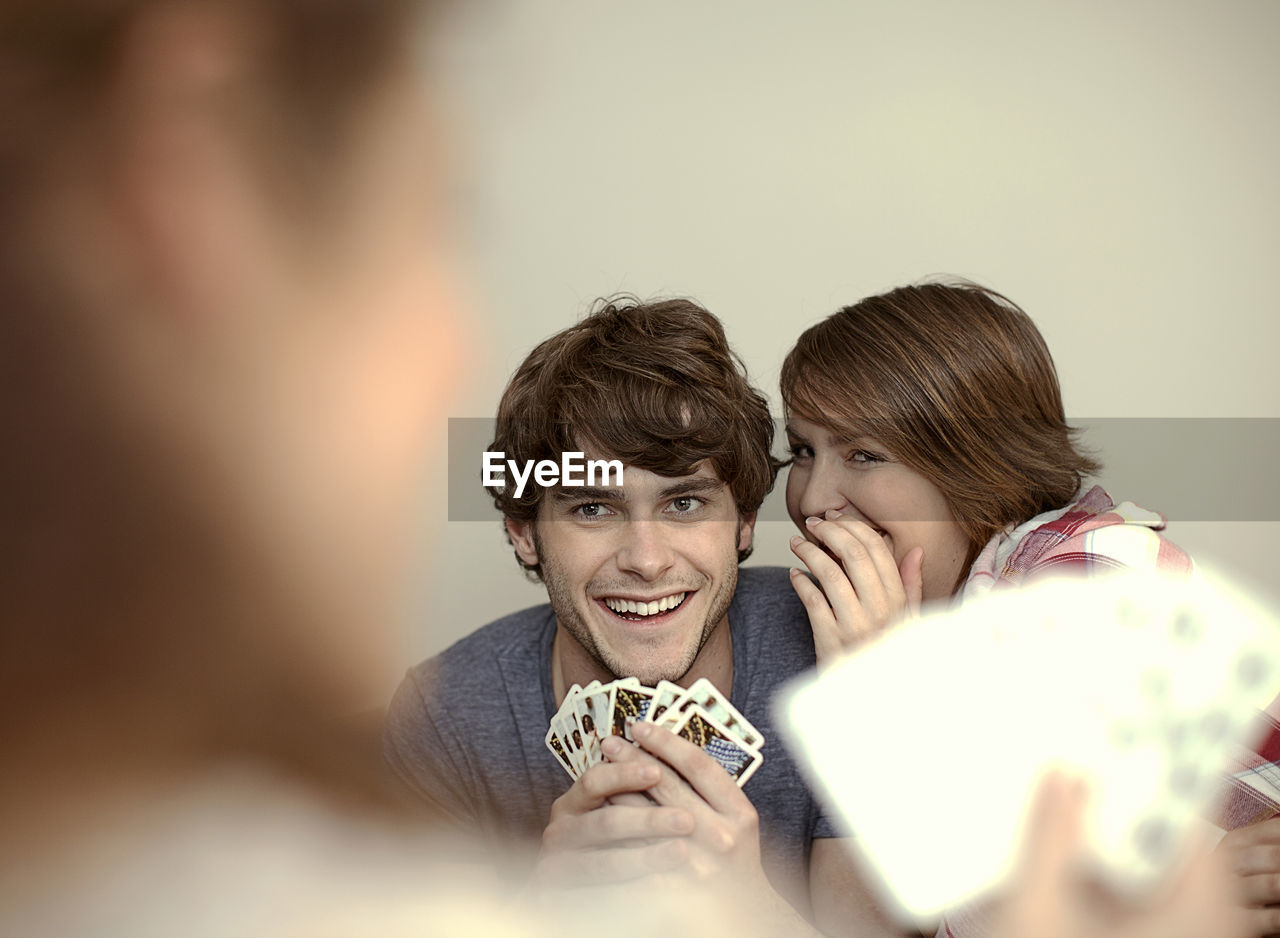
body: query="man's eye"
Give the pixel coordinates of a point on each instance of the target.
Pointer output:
(589, 510)
(685, 504)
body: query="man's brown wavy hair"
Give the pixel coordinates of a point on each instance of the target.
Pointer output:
(957, 382)
(654, 385)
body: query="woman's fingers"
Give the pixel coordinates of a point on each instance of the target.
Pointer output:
(829, 574)
(866, 562)
(912, 571)
(860, 588)
(862, 548)
(827, 641)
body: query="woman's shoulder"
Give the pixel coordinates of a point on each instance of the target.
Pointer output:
(1092, 535)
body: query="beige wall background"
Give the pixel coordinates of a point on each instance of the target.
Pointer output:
(1110, 166)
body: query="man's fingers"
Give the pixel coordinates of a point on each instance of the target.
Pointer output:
(633, 798)
(727, 835)
(620, 752)
(615, 825)
(704, 775)
(603, 781)
(670, 789)
(577, 868)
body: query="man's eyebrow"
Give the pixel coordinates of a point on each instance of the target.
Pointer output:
(700, 486)
(588, 493)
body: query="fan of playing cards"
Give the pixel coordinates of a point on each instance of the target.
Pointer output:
(700, 714)
(1140, 685)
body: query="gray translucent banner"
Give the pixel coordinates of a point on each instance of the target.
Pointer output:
(1186, 468)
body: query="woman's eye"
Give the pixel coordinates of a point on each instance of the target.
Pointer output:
(801, 451)
(862, 456)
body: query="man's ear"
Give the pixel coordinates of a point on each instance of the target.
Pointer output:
(521, 534)
(746, 530)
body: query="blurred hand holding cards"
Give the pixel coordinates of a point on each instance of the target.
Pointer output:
(701, 714)
(929, 742)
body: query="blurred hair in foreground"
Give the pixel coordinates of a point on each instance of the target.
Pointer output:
(179, 180)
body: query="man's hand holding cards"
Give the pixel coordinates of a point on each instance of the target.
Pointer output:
(701, 714)
(657, 776)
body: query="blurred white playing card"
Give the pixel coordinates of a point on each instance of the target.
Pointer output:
(928, 742)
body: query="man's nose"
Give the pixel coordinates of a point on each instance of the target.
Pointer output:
(646, 550)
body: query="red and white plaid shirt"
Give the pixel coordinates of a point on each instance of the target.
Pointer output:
(1092, 536)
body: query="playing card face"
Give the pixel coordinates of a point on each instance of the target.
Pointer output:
(571, 738)
(707, 696)
(566, 705)
(584, 717)
(1139, 685)
(582, 720)
(630, 702)
(557, 748)
(588, 714)
(597, 709)
(713, 738)
(665, 694)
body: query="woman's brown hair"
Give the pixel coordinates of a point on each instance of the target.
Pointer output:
(957, 382)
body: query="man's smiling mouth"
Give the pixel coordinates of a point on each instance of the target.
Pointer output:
(637, 609)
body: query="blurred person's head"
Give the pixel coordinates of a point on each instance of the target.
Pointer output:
(225, 324)
(656, 387)
(933, 413)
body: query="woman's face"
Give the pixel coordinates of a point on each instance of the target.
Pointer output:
(860, 478)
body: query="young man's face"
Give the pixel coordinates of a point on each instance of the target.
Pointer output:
(670, 543)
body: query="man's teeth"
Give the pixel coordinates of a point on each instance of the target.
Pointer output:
(645, 609)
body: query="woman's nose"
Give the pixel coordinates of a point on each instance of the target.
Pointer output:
(822, 491)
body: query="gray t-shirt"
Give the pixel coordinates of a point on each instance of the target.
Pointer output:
(465, 731)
